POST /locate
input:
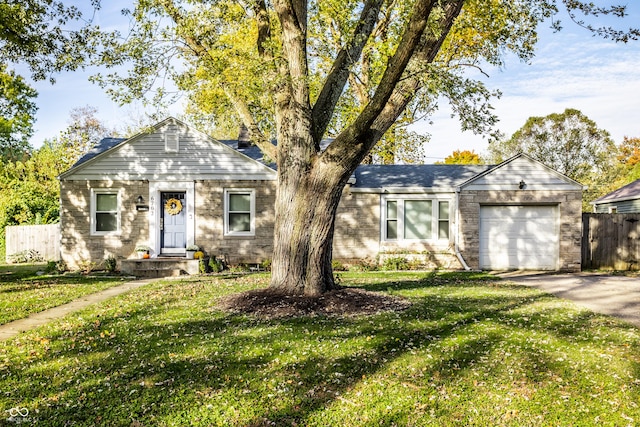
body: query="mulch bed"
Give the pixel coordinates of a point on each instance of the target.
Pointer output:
(344, 302)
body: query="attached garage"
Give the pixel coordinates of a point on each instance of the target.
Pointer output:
(520, 215)
(519, 237)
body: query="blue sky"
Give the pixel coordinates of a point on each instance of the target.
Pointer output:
(571, 69)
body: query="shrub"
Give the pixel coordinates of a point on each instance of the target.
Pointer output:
(30, 255)
(215, 264)
(203, 266)
(266, 265)
(395, 263)
(55, 267)
(198, 255)
(87, 267)
(338, 265)
(240, 268)
(364, 265)
(110, 263)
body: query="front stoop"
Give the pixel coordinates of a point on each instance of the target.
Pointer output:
(160, 267)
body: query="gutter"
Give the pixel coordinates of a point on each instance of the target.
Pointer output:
(456, 237)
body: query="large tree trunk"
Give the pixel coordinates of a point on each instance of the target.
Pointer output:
(306, 206)
(310, 182)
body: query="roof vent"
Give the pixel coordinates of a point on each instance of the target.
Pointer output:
(244, 139)
(171, 142)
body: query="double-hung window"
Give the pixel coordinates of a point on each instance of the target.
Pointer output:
(239, 212)
(443, 219)
(406, 218)
(105, 212)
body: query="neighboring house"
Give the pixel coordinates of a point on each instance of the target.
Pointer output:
(174, 186)
(623, 200)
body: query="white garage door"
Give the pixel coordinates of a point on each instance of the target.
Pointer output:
(519, 237)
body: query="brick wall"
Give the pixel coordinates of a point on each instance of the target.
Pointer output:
(357, 228)
(357, 236)
(209, 222)
(77, 246)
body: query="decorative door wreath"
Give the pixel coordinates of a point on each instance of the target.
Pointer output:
(173, 206)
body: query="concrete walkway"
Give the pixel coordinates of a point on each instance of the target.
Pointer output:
(11, 329)
(617, 296)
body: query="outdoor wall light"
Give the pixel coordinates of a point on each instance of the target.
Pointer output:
(140, 206)
(522, 184)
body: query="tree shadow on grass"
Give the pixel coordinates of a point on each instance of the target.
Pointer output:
(154, 362)
(431, 279)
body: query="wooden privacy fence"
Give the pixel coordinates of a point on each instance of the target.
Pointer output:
(611, 241)
(45, 239)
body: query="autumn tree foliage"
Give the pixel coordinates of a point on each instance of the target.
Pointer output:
(84, 130)
(629, 159)
(462, 157)
(629, 151)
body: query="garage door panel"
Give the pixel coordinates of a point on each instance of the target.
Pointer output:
(519, 237)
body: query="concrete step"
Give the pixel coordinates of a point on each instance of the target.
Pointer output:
(160, 267)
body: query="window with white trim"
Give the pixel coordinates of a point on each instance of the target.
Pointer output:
(239, 212)
(105, 212)
(415, 218)
(443, 219)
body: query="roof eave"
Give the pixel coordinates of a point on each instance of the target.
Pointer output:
(511, 159)
(403, 190)
(616, 200)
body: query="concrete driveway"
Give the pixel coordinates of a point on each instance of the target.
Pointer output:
(617, 296)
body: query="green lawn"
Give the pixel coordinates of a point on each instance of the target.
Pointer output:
(23, 291)
(471, 351)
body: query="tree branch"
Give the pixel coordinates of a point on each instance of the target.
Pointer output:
(293, 18)
(426, 53)
(201, 50)
(394, 93)
(265, 145)
(197, 46)
(339, 74)
(264, 28)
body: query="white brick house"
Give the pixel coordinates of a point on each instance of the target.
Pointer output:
(174, 186)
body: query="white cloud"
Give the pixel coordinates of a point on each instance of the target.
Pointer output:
(574, 70)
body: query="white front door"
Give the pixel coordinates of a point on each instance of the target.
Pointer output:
(173, 222)
(519, 237)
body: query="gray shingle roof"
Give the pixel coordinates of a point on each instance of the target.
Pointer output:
(381, 176)
(629, 191)
(426, 176)
(251, 151)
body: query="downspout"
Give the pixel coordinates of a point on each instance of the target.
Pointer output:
(456, 235)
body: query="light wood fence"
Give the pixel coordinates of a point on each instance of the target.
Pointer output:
(611, 241)
(44, 239)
